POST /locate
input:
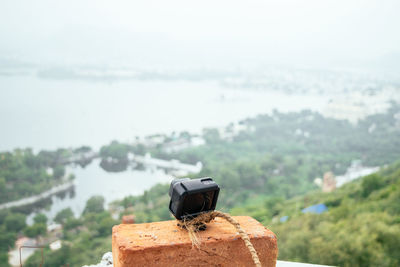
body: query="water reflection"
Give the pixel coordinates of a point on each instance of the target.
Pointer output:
(114, 165)
(94, 180)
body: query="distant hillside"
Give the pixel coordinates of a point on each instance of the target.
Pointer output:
(277, 157)
(274, 158)
(360, 228)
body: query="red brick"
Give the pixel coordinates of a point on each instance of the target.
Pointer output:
(128, 219)
(166, 244)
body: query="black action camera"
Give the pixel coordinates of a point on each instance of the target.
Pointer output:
(191, 197)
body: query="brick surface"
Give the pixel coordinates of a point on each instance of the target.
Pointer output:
(166, 244)
(128, 219)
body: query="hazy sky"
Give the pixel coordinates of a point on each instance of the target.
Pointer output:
(205, 31)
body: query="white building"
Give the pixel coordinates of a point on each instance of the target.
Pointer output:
(355, 171)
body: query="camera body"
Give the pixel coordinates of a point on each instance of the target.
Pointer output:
(191, 197)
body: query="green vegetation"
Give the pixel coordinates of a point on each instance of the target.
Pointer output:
(35, 230)
(278, 157)
(14, 222)
(361, 228)
(94, 205)
(114, 156)
(115, 150)
(261, 168)
(152, 206)
(85, 239)
(63, 216)
(22, 173)
(38, 228)
(40, 218)
(267, 171)
(12, 225)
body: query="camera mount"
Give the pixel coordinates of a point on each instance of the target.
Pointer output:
(192, 197)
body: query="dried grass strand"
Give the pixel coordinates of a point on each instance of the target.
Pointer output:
(195, 224)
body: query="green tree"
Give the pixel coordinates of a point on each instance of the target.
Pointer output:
(15, 222)
(59, 171)
(211, 136)
(105, 226)
(4, 259)
(7, 239)
(95, 204)
(371, 183)
(40, 218)
(72, 223)
(115, 150)
(64, 215)
(3, 215)
(35, 230)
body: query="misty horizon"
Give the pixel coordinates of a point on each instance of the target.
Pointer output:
(239, 33)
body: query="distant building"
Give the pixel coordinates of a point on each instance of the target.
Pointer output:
(54, 227)
(182, 143)
(357, 106)
(329, 182)
(229, 132)
(197, 141)
(14, 258)
(176, 145)
(25, 241)
(55, 230)
(55, 245)
(151, 141)
(50, 171)
(173, 166)
(355, 171)
(318, 182)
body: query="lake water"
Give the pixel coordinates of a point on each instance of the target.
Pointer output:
(48, 114)
(93, 180)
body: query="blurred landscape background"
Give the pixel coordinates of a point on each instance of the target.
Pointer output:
(293, 107)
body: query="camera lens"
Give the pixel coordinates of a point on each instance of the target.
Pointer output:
(198, 202)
